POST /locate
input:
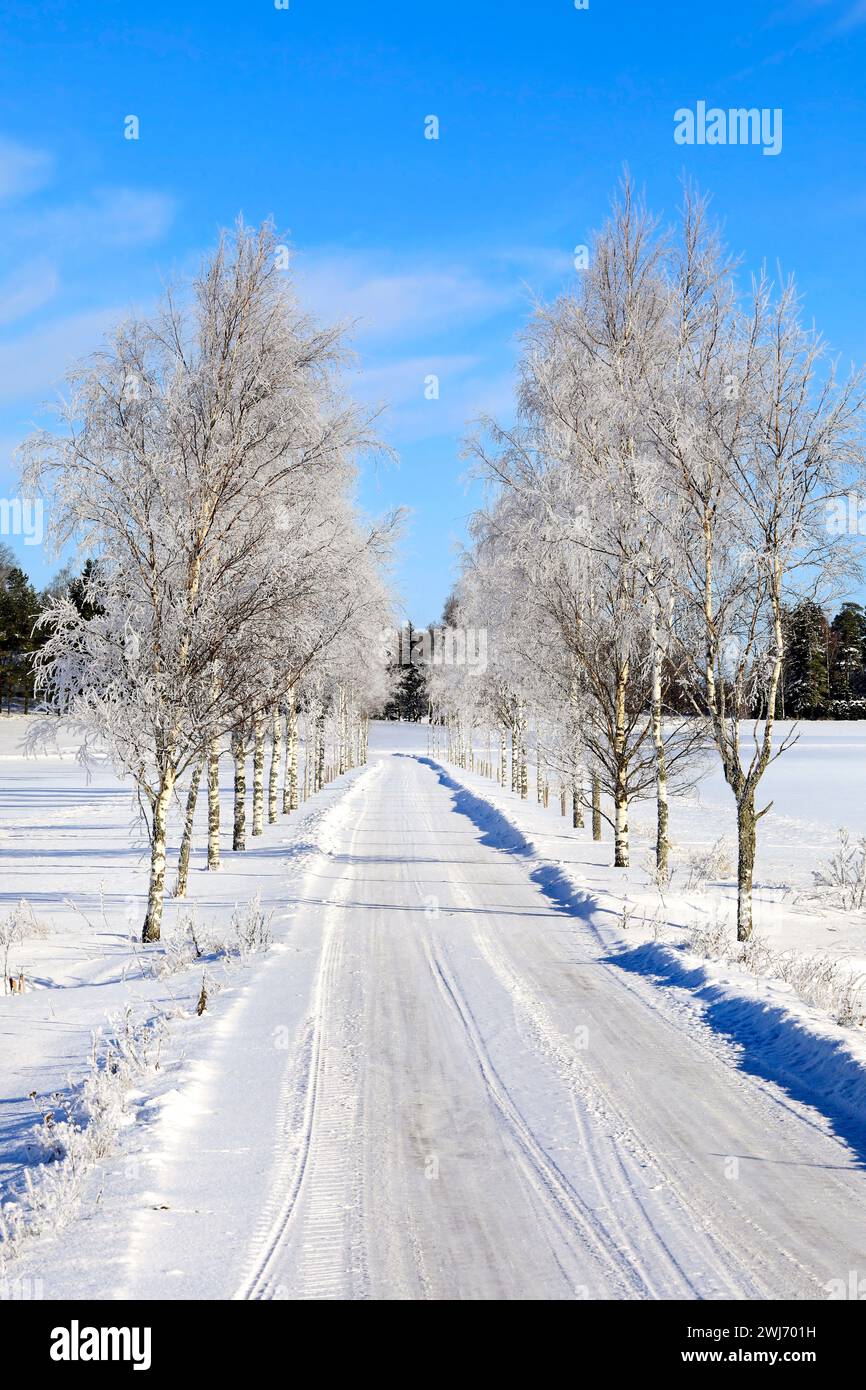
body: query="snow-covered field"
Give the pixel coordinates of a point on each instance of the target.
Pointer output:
(475, 1061)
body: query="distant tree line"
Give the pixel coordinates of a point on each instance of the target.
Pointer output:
(20, 604)
(824, 671)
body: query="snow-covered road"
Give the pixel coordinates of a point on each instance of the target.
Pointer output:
(486, 1105)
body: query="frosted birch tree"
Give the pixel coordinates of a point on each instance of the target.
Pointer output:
(759, 437)
(577, 468)
(183, 444)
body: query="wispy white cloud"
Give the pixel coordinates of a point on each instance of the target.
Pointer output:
(112, 217)
(453, 304)
(465, 388)
(537, 264)
(28, 287)
(386, 298)
(853, 18)
(23, 169)
(32, 365)
(823, 22)
(404, 380)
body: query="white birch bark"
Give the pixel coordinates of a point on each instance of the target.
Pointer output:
(320, 749)
(596, 806)
(239, 754)
(156, 886)
(274, 773)
(259, 776)
(186, 839)
(213, 805)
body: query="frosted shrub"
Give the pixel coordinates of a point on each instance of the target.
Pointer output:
(842, 879)
(17, 926)
(252, 926)
(849, 1005)
(712, 939)
(757, 956)
(656, 924)
(707, 866)
(660, 877)
(76, 1132)
(188, 944)
(818, 981)
(825, 984)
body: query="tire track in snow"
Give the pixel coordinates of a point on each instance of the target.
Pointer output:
(622, 1196)
(562, 1201)
(611, 1116)
(613, 1120)
(309, 1211)
(613, 1183)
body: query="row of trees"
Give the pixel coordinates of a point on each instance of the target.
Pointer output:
(824, 672)
(654, 513)
(20, 605)
(21, 636)
(205, 460)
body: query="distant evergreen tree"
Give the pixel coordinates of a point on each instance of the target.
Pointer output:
(848, 631)
(805, 689)
(78, 591)
(450, 613)
(19, 607)
(411, 698)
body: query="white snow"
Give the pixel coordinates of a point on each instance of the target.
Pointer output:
(456, 1073)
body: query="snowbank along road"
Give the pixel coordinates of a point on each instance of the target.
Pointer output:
(441, 1085)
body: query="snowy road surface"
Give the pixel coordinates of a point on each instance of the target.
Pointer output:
(475, 1102)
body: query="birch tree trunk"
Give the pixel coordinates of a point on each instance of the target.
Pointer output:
(522, 770)
(350, 734)
(292, 757)
(259, 777)
(186, 839)
(213, 805)
(576, 808)
(344, 732)
(156, 886)
(503, 757)
(596, 807)
(746, 828)
(239, 753)
(620, 828)
(620, 787)
(274, 774)
(320, 749)
(309, 754)
(662, 809)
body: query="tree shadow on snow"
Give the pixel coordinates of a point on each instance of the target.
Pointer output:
(772, 1044)
(499, 833)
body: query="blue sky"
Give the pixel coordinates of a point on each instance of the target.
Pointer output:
(316, 115)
